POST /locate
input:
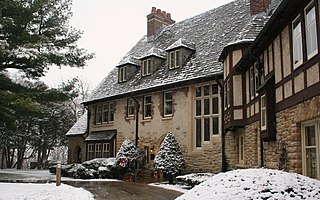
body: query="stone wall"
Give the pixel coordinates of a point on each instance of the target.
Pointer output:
(285, 153)
(75, 142)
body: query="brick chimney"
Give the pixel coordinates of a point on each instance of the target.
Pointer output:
(259, 6)
(157, 19)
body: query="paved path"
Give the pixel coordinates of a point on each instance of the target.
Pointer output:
(125, 191)
(110, 190)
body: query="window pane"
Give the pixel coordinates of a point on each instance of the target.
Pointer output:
(310, 136)
(111, 112)
(297, 42)
(198, 92)
(99, 114)
(215, 125)
(206, 106)
(198, 107)
(177, 58)
(311, 30)
(215, 105)
(198, 133)
(148, 99)
(168, 108)
(149, 67)
(215, 89)
(207, 129)
(168, 96)
(206, 90)
(171, 60)
(311, 162)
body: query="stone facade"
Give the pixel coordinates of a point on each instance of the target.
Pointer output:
(75, 145)
(286, 152)
(152, 131)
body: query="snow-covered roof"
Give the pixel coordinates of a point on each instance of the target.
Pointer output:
(181, 43)
(80, 127)
(209, 32)
(154, 52)
(101, 135)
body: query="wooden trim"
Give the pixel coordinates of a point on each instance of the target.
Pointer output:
(299, 70)
(299, 97)
(281, 56)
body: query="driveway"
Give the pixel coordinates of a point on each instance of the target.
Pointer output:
(111, 190)
(125, 191)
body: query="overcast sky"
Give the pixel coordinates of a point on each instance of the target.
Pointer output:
(112, 27)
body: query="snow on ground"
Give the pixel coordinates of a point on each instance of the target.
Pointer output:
(30, 191)
(179, 188)
(255, 184)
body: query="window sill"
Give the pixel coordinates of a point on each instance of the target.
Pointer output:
(104, 124)
(167, 118)
(146, 120)
(130, 118)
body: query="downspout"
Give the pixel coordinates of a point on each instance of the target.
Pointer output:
(137, 120)
(261, 151)
(88, 126)
(224, 166)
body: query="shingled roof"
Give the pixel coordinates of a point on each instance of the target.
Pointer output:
(209, 32)
(80, 127)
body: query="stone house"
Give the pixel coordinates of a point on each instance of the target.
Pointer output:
(170, 80)
(272, 92)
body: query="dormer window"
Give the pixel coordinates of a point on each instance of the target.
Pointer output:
(146, 67)
(123, 74)
(174, 57)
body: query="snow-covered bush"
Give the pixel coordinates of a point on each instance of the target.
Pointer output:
(255, 184)
(169, 159)
(128, 155)
(193, 179)
(84, 173)
(96, 168)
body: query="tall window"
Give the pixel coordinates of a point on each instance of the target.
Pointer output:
(206, 113)
(91, 151)
(310, 145)
(241, 150)
(311, 30)
(297, 42)
(263, 112)
(147, 103)
(130, 107)
(167, 104)
(98, 114)
(105, 113)
(174, 59)
(106, 150)
(251, 84)
(98, 150)
(146, 67)
(122, 74)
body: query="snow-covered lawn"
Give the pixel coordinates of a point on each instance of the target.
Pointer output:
(177, 187)
(255, 184)
(30, 191)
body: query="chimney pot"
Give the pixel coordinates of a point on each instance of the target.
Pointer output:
(156, 21)
(164, 14)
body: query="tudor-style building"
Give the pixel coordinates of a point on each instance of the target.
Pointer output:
(272, 100)
(173, 78)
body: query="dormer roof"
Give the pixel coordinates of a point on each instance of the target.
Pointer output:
(80, 127)
(182, 43)
(153, 52)
(129, 60)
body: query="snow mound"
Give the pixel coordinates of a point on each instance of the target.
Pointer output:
(29, 191)
(194, 178)
(255, 184)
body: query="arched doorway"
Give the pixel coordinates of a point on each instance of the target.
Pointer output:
(78, 154)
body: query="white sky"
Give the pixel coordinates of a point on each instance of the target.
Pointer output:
(112, 27)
